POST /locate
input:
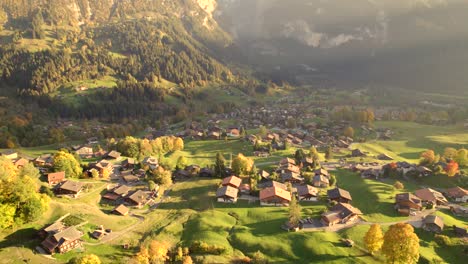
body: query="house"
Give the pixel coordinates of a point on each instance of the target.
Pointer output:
(341, 213)
(131, 178)
(52, 229)
(232, 132)
(102, 166)
(44, 160)
(214, 135)
(56, 177)
(384, 157)
(265, 175)
(339, 195)
(227, 194)
(274, 196)
(244, 188)
(121, 210)
(151, 162)
(357, 153)
(20, 162)
(289, 168)
(232, 181)
(10, 154)
(459, 210)
(129, 163)
(307, 162)
(307, 193)
(286, 162)
(424, 171)
(320, 181)
(84, 152)
(433, 223)
(137, 198)
(206, 172)
(276, 184)
(291, 177)
(430, 196)
(460, 231)
(113, 154)
(322, 172)
(69, 187)
(405, 203)
(63, 241)
(117, 192)
(457, 194)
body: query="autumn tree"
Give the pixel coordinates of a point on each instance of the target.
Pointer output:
(462, 157)
(451, 169)
(428, 157)
(87, 259)
(162, 177)
(142, 257)
(220, 166)
(294, 212)
(64, 161)
(94, 173)
(181, 163)
(450, 153)
(373, 240)
(348, 132)
(105, 173)
(398, 185)
(178, 144)
(242, 165)
(187, 260)
(401, 244)
(158, 251)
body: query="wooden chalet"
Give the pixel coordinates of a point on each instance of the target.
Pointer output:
(129, 163)
(430, 196)
(113, 154)
(56, 177)
(287, 161)
(322, 172)
(69, 187)
(276, 184)
(433, 223)
(84, 152)
(103, 165)
(339, 195)
(307, 193)
(265, 175)
(117, 193)
(320, 181)
(10, 154)
(274, 196)
(232, 181)
(137, 198)
(63, 241)
(227, 194)
(44, 160)
(341, 213)
(121, 210)
(20, 162)
(291, 177)
(151, 162)
(457, 194)
(407, 203)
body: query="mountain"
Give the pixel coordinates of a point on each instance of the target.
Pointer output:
(47, 44)
(417, 44)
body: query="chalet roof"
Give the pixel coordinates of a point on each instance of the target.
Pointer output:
(121, 209)
(434, 219)
(227, 191)
(264, 174)
(113, 154)
(55, 227)
(56, 176)
(104, 164)
(321, 178)
(150, 160)
(291, 176)
(456, 192)
(70, 234)
(275, 184)
(138, 197)
(286, 161)
(409, 197)
(21, 162)
(346, 208)
(275, 192)
(322, 171)
(332, 216)
(232, 180)
(428, 194)
(72, 186)
(307, 190)
(339, 193)
(129, 161)
(121, 190)
(130, 178)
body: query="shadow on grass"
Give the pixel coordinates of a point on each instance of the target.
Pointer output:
(26, 237)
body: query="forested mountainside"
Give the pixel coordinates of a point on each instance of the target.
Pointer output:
(413, 44)
(46, 44)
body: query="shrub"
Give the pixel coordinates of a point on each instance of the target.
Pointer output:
(200, 247)
(442, 240)
(398, 185)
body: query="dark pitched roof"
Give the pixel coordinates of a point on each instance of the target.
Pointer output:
(339, 193)
(72, 186)
(275, 184)
(121, 209)
(344, 207)
(434, 219)
(306, 190)
(121, 190)
(227, 191)
(138, 197)
(401, 197)
(70, 234)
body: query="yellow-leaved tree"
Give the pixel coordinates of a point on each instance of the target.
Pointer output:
(373, 239)
(401, 244)
(158, 251)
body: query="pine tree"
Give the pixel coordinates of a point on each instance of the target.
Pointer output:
(294, 212)
(220, 166)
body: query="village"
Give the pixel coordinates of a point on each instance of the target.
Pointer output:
(302, 177)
